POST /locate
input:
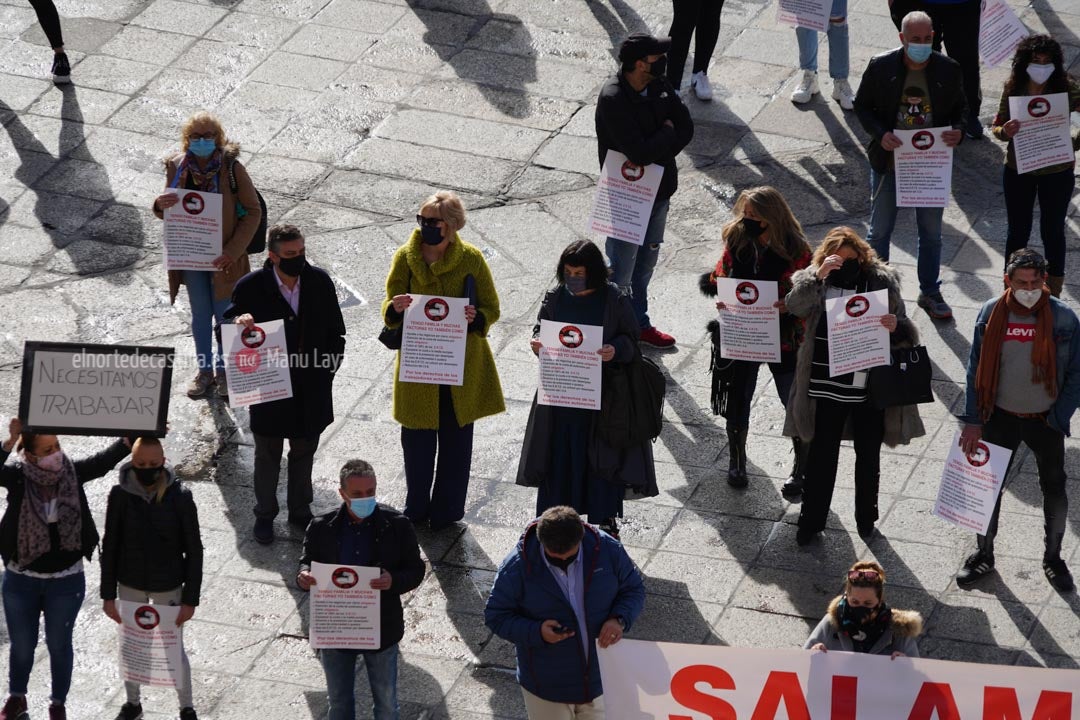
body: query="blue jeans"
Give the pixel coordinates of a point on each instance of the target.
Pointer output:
(839, 62)
(632, 265)
(25, 600)
(340, 669)
(205, 310)
(883, 219)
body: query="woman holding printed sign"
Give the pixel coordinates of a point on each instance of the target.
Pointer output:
(826, 409)
(209, 164)
(561, 456)
(46, 532)
(860, 621)
(437, 420)
(763, 241)
(1037, 70)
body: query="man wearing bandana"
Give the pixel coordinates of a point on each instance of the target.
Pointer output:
(567, 587)
(1023, 385)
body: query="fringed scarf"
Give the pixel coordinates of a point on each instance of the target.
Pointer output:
(42, 487)
(203, 180)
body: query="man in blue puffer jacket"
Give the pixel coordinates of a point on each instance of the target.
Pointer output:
(565, 585)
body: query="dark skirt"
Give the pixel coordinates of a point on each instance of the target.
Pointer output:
(570, 482)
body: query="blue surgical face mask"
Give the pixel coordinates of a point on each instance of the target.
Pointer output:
(362, 507)
(202, 147)
(918, 52)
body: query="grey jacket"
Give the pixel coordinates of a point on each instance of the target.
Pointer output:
(899, 637)
(807, 300)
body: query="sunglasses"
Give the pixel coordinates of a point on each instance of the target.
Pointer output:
(202, 136)
(427, 222)
(871, 575)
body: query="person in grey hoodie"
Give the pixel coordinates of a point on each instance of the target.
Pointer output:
(152, 553)
(860, 621)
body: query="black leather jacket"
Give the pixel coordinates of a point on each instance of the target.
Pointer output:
(879, 95)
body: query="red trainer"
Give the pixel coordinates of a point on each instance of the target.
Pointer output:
(652, 336)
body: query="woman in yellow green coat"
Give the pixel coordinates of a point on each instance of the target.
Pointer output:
(437, 420)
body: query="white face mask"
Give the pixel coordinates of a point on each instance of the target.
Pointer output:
(1039, 74)
(1027, 298)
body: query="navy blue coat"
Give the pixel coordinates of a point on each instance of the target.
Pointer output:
(525, 594)
(316, 340)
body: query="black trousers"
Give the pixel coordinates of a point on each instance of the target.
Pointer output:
(268, 469)
(50, 21)
(868, 426)
(1048, 446)
(957, 26)
(1054, 192)
(452, 444)
(702, 15)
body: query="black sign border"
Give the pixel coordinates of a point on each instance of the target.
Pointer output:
(32, 347)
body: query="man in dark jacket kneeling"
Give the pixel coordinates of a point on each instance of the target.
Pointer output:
(565, 589)
(363, 532)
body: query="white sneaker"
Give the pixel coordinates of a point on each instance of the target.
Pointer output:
(841, 93)
(807, 89)
(699, 81)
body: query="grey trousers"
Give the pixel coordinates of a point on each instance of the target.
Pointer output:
(268, 469)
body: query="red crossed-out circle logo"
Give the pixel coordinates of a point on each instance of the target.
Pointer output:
(571, 336)
(980, 456)
(747, 293)
(632, 172)
(923, 140)
(147, 617)
(193, 204)
(856, 306)
(253, 336)
(436, 309)
(344, 578)
(1038, 107)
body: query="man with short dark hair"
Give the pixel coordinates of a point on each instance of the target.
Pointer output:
(366, 533)
(909, 88)
(1023, 385)
(567, 587)
(315, 336)
(640, 115)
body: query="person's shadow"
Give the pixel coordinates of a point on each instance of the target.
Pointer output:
(73, 200)
(501, 78)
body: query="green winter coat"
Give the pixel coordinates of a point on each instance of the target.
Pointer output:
(416, 406)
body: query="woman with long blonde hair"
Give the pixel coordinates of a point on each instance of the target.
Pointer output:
(763, 241)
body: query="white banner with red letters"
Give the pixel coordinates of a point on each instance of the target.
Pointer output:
(667, 681)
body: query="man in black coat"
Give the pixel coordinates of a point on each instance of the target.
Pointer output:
(364, 533)
(640, 115)
(910, 88)
(288, 288)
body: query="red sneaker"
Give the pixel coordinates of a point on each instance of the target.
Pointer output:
(652, 336)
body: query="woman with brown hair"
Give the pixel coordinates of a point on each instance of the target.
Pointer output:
(763, 241)
(858, 620)
(827, 409)
(208, 163)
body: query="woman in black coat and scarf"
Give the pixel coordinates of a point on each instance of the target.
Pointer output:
(562, 456)
(826, 409)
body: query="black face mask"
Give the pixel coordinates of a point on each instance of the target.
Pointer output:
(147, 476)
(846, 275)
(575, 284)
(858, 615)
(431, 235)
(753, 228)
(561, 563)
(658, 67)
(292, 266)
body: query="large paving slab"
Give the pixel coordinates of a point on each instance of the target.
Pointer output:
(349, 113)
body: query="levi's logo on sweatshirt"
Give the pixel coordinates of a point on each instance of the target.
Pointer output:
(1020, 332)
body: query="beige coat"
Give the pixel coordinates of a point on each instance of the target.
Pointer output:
(237, 235)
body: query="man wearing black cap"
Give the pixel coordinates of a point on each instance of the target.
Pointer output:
(640, 115)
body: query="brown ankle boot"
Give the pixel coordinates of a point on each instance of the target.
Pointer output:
(1055, 282)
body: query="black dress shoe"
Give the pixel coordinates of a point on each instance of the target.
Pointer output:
(264, 531)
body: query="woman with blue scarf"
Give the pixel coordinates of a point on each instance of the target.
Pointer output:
(205, 165)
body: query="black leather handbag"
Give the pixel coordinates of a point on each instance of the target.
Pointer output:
(905, 382)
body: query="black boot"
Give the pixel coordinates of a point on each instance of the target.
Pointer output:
(793, 486)
(736, 474)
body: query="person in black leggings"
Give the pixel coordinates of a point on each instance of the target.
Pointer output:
(704, 16)
(50, 23)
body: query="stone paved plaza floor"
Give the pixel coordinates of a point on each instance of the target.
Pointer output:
(350, 112)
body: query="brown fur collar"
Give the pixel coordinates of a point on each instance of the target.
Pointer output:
(905, 623)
